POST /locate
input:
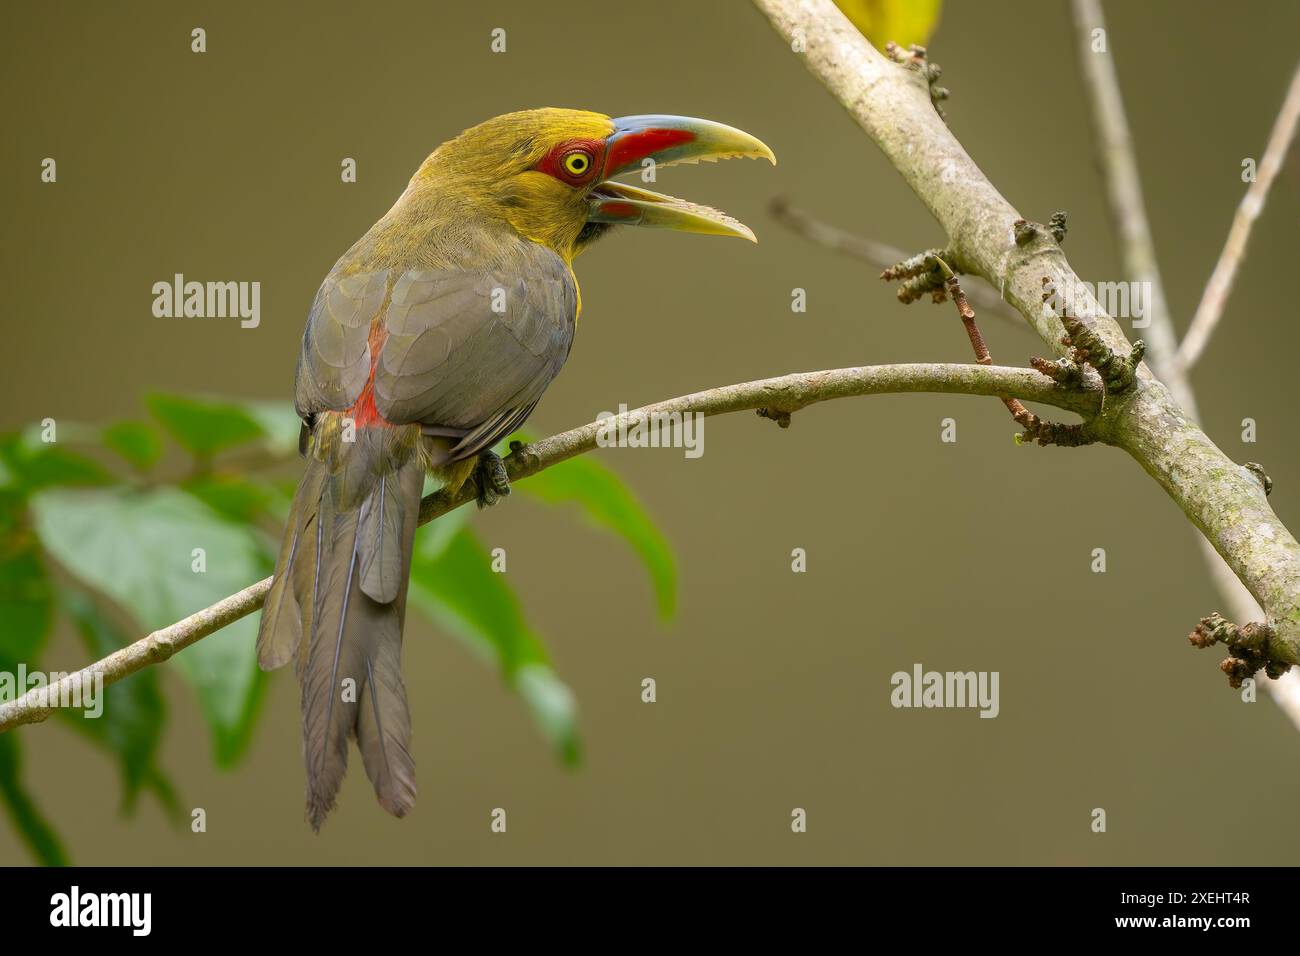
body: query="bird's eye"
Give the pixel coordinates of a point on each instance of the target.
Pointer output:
(577, 163)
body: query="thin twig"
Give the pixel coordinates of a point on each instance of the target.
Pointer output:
(977, 344)
(778, 397)
(878, 254)
(1035, 429)
(1215, 296)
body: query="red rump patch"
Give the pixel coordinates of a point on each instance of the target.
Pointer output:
(364, 412)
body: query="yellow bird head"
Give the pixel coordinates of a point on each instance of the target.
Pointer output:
(549, 172)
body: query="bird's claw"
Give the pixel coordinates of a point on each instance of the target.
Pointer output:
(491, 479)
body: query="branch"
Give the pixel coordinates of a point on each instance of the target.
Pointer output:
(1215, 296)
(1123, 184)
(772, 397)
(892, 105)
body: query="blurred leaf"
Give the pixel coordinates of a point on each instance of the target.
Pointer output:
(204, 426)
(903, 21)
(26, 599)
(279, 423)
(26, 609)
(58, 467)
(32, 826)
(609, 503)
(28, 465)
(452, 581)
(136, 547)
(138, 442)
(238, 499)
(553, 707)
(131, 723)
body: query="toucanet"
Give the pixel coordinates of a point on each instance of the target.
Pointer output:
(430, 340)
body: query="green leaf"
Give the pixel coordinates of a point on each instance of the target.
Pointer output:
(280, 424)
(238, 499)
(26, 599)
(28, 464)
(903, 21)
(138, 548)
(204, 426)
(609, 503)
(452, 581)
(133, 713)
(553, 708)
(138, 442)
(26, 610)
(32, 826)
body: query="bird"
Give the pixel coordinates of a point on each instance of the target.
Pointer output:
(431, 339)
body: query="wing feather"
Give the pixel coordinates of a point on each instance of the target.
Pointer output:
(335, 359)
(466, 348)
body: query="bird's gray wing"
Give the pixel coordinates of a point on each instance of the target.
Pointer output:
(474, 350)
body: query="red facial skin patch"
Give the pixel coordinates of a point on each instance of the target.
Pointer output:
(553, 162)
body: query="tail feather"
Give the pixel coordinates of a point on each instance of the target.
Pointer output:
(331, 679)
(384, 728)
(280, 632)
(384, 731)
(339, 602)
(382, 570)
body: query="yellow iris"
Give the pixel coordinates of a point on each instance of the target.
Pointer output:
(577, 164)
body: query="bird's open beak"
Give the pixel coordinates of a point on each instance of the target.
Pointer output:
(665, 140)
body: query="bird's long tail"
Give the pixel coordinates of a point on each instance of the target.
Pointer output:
(338, 602)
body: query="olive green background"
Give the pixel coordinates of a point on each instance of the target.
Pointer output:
(773, 686)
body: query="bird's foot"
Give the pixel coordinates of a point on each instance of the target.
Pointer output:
(491, 479)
